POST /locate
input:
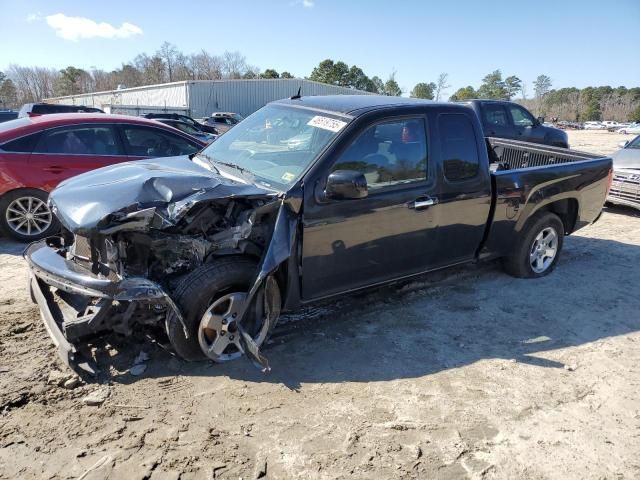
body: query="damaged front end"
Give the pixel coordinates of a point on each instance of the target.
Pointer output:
(148, 225)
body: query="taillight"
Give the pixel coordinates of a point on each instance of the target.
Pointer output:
(609, 180)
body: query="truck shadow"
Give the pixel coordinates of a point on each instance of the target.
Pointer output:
(445, 321)
(441, 321)
(621, 210)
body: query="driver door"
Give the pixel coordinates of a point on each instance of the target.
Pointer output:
(348, 244)
(526, 127)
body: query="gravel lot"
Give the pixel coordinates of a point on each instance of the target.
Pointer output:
(469, 375)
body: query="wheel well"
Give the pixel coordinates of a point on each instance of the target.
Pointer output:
(567, 210)
(21, 189)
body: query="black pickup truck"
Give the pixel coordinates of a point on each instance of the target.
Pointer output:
(509, 120)
(306, 199)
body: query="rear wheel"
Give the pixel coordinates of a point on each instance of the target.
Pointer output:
(25, 215)
(211, 299)
(538, 248)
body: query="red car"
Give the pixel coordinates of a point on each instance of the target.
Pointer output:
(37, 153)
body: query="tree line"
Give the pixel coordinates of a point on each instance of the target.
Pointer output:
(21, 84)
(572, 104)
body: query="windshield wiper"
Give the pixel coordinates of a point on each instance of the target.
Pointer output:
(199, 156)
(236, 167)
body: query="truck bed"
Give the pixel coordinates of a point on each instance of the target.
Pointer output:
(513, 155)
(527, 178)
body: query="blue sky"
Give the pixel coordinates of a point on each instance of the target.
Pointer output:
(576, 43)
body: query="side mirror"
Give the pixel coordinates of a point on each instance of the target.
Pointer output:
(623, 144)
(346, 184)
(540, 120)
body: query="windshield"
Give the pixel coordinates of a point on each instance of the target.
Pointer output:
(185, 128)
(275, 144)
(635, 143)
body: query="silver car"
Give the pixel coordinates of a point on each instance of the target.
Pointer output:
(625, 189)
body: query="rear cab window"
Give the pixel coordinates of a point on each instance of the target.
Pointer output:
(458, 147)
(494, 115)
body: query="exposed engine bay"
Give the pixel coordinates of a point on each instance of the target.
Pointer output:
(118, 270)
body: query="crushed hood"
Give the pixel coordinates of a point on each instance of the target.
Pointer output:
(165, 186)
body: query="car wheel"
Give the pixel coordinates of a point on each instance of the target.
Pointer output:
(538, 248)
(210, 299)
(25, 215)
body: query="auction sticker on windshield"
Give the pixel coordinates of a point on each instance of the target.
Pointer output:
(327, 123)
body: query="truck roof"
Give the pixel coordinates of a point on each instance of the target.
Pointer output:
(356, 105)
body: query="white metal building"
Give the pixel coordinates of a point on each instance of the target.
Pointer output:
(202, 97)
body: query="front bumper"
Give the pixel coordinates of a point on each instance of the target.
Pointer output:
(625, 189)
(47, 268)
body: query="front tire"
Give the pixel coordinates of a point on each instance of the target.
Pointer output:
(538, 247)
(25, 215)
(210, 299)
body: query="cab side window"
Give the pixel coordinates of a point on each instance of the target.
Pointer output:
(79, 140)
(520, 116)
(388, 153)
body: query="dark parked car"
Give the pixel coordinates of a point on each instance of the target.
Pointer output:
(37, 153)
(32, 109)
(625, 189)
(6, 115)
(211, 247)
(223, 121)
(504, 119)
(188, 129)
(182, 118)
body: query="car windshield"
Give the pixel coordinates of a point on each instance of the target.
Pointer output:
(185, 128)
(275, 144)
(635, 143)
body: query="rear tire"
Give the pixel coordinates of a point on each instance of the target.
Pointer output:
(25, 215)
(538, 247)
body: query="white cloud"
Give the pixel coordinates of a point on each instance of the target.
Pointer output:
(75, 28)
(304, 3)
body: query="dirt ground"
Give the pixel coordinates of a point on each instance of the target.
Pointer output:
(472, 374)
(596, 141)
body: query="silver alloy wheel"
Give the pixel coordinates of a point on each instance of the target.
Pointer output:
(544, 250)
(28, 216)
(218, 333)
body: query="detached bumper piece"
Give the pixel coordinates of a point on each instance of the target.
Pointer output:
(76, 304)
(625, 189)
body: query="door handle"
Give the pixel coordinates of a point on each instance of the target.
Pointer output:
(54, 169)
(423, 202)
